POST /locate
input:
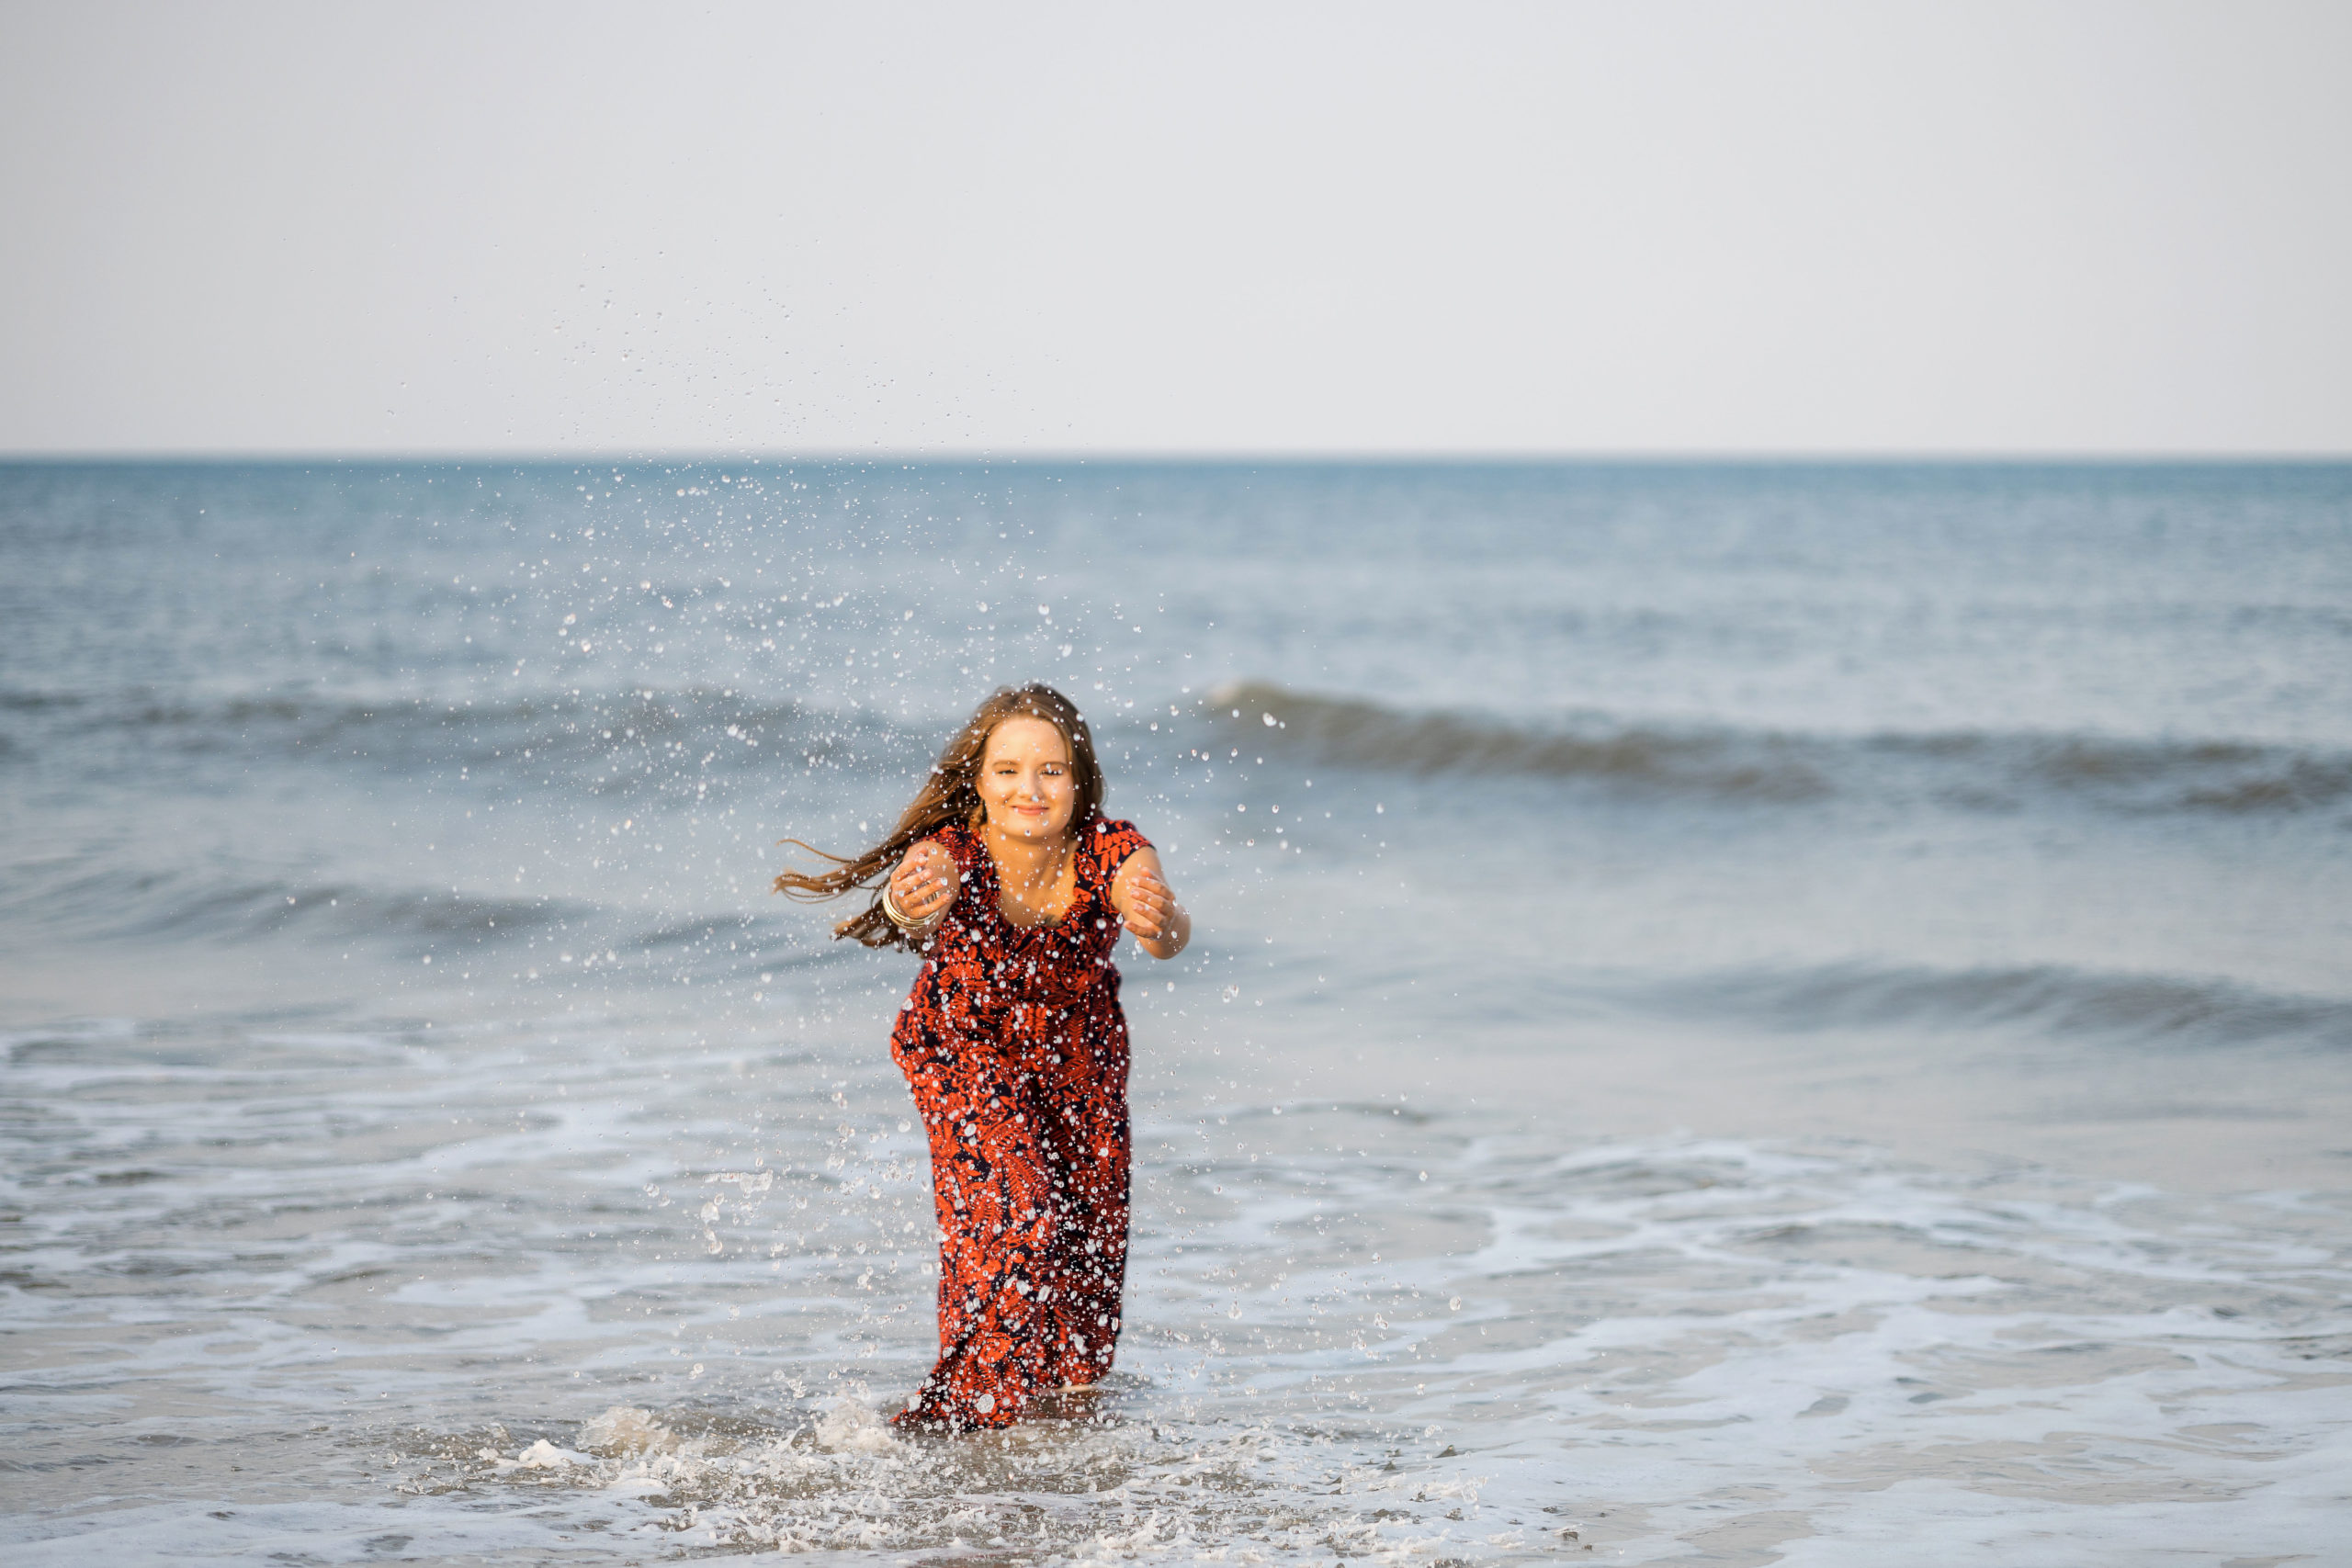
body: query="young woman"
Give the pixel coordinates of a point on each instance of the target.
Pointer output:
(1008, 880)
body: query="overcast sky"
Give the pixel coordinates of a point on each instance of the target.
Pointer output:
(1636, 227)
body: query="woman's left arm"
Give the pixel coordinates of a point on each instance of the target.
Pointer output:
(1146, 907)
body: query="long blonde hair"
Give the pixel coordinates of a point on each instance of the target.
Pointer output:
(951, 794)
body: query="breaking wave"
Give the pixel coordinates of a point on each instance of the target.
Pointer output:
(412, 921)
(123, 903)
(2051, 999)
(411, 732)
(1982, 769)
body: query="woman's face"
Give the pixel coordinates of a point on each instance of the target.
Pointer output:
(1026, 781)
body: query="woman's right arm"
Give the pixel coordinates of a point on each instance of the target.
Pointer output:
(924, 884)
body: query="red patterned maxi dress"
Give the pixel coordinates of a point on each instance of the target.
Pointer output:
(1016, 1051)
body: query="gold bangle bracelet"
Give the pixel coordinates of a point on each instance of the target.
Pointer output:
(898, 916)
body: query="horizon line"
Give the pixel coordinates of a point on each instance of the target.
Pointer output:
(1203, 457)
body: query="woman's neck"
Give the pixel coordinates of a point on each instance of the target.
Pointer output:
(1029, 864)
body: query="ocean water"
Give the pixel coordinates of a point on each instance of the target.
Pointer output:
(1742, 1014)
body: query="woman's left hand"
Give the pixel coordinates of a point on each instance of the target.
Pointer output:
(1152, 910)
(1148, 909)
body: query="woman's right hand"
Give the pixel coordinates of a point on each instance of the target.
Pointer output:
(925, 882)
